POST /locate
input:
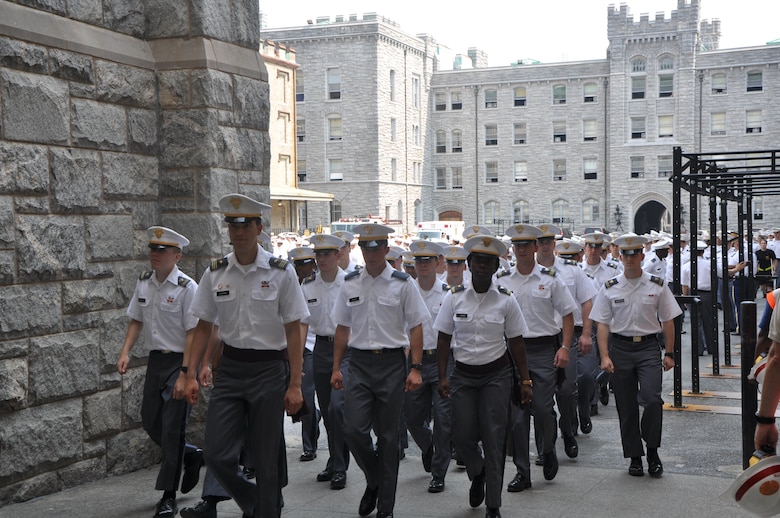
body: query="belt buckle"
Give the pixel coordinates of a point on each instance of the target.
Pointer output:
(637, 338)
(377, 351)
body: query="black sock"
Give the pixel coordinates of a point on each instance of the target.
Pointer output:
(169, 494)
(652, 454)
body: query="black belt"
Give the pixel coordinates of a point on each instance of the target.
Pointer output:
(578, 329)
(386, 350)
(253, 355)
(162, 351)
(541, 340)
(429, 352)
(634, 339)
(703, 291)
(486, 368)
(324, 338)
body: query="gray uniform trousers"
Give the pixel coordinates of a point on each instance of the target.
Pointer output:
(247, 402)
(480, 412)
(706, 318)
(567, 393)
(543, 373)
(422, 404)
(374, 400)
(594, 359)
(310, 423)
(637, 377)
(165, 418)
(331, 402)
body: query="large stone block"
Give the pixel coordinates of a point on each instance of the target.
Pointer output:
(76, 180)
(102, 413)
(126, 16)
(13, 348)
(31, 204)
(178, 184)
(7, 267)
(34, 108)
(132, 394)
(29, 310)
(22, 56)
(108, 237)
(142, 131)
(127, 176)
(212, 19)
(146, 214)
(23, 169)
(113, 327)
(90, 11)
(28, 489)
(188, 138)
(13, 384)
(82, 472)
(245, 23)
(50, 247)
(54, 6)
(71, 66)
(99, 125)
(6, 221)
(203, 230)
(130, 451)
(212, 89)
(40, 438)
(174, 88)
(64, 365)
(167, 18)
(123, 84)
(90, 295)
(252, 106)
(242, 148)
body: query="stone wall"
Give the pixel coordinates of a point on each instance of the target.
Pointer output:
(114, 115)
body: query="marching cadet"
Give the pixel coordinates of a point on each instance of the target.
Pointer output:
(455, 258)
(655, 264)
(345, 260)
(628, 309)
(320, 292)
(408, 263)
(378, 313)
(488, 325)
(160, 309)
(425, 403)
(258, 303)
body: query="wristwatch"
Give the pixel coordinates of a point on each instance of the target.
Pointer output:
(184, 369)
(417, 366)
(764, 420)
(669, 355)
(528, 382)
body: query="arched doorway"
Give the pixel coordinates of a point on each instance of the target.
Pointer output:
(450, 215)
(652, 215)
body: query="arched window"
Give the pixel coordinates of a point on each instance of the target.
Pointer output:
(335, 210)
(666, 76)
(392, 85)
(492, 214)
(441, 141)
(400, 215)
(590, 211)
(457, 141)
(560, 211)
(521, 212)
(638, 78)
(417, 211)
(335, 131)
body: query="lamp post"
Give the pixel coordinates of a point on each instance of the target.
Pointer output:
(618, 218)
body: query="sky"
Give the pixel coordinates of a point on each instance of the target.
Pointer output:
(549, 31)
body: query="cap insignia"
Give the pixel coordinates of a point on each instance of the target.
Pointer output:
(235, 201)
(158, 232)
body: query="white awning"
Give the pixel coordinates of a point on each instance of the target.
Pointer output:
(284, 192)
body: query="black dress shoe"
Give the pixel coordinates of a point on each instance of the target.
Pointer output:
(539, 460)
(635, 469)
(307, 456)
(382, 514)
(492, 512)
(339, 480)
(519, 483)
(436, 485)
(604, 395)
(427, 458)
(594, 410)
(166, 508)
(368, 502)
(249, 473)
(586, 425)
(550, 468)
(193, 460)
(477, 490)
(570, 446)
(324, 475)
(204, 509)
(654, 467)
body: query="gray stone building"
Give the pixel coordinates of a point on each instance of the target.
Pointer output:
(583, 144)
(115, 115)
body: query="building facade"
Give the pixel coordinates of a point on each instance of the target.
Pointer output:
(582, 144)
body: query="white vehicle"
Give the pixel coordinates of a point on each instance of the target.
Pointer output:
(348, 224)
(441, 230)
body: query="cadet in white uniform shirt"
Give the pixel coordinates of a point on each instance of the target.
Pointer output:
(705, 294)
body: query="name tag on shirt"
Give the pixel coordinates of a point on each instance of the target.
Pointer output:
(354, 299)
(461, 315)
(620, 301)
(223, 293)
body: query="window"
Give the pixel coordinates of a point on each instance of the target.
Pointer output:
(666, 63)
(393, 170)
(491, 98)
(301, 171)
(665, 126)
(300, 129)
(590, 211)
(393, 130)
(441, 141)
(559, 131)
(335, 170)
(456, 101)
(416, 90)
(637, 167)
(491, 172)
(334, 128)
(637, 127)
(753, 121)
(559, 170)
(491, 135)
(664, 166)
(638, 87)
(440, 102)
(559, 94)
(416, 172)
(590, 169)
(334, 83)
(441, 178)
(457, 178)
(718, 83)
(392, 85)
(521, 212)
(299, 86)
(416, 134)
(335, 210)
(718, 123)
(755, 82)
(521, 171)
(560, 211)
(520, 133)
(589, 92)
(665, 85)
(519, 96)
(589, 130)
(492, 214)
(638, 66)
(758, 207)
(457, 141)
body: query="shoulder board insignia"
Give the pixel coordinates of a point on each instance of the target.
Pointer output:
(590, 276)
(571, 262)
(610, 283)
(548, 271)
(445, 286)
(400, 275)
(505, 291)
(310, 278)
(216, 264)
(358, 267)
(184, 282)
(611, 265)
(352, 275)
(278, 262)
(657, 280)
(146, 275)
(456, 289)
(502, 273)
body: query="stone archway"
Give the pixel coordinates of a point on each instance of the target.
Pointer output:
(451, 215)
(650, 216)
